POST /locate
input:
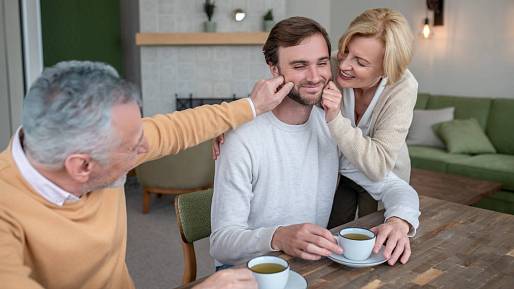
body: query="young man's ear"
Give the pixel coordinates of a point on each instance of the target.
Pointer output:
(79, 167)
(274, 70)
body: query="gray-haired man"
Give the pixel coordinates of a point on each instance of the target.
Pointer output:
(62, 204)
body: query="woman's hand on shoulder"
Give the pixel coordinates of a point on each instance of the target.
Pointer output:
(216, 146)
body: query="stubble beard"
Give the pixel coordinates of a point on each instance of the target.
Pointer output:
(295, 95)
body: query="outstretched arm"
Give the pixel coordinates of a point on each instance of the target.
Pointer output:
(170, 133)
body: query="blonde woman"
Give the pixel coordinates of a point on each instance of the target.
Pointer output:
(378, 98)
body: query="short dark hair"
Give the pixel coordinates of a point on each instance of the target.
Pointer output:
(290, 32)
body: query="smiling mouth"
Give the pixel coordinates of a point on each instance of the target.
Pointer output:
(345, 75)
(311, 86)
(312, 89)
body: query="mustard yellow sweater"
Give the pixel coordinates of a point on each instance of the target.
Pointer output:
(82, 244)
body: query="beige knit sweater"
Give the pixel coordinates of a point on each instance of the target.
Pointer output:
(385, 148)
(82, 245)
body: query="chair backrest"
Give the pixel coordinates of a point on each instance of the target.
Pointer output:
(193, 212)
(192, 168)
(194, 215)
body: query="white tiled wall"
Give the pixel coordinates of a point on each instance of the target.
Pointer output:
(204, 71)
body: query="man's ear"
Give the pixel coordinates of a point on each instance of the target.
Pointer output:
(79, 167)
(274, 70)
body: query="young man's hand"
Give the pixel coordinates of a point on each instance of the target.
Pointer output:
(266, 94)
(307, 241)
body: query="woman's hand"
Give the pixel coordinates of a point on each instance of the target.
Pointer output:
(216, 144)
(331, 101)
(394, 233)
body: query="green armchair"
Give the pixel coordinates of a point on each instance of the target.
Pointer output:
(193, 212)
(188, 171)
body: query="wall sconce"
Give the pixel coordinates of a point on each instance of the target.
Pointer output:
(437, 7)
(426, 29)
(239, 15)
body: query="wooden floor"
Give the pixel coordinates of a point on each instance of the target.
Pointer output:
(453, 188)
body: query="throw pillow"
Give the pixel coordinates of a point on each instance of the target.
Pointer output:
(464, 136)
(421, 132)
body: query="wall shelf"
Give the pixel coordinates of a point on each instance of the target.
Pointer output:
(201, 38)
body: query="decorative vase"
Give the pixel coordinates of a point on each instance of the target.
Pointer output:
(268, 24)
(209, 26)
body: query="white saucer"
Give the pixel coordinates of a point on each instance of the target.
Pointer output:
(373, 260)
(296, 281)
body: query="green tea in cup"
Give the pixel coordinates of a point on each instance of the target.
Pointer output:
(268, 268)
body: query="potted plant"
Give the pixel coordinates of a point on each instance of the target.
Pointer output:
(268, 20)
(208, 8)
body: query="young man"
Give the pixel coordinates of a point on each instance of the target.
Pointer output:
(275, 177)
(62, 205)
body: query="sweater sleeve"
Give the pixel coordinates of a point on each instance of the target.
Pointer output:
(13, 272)
(232, 241)
(376, 155)
(399, 198)
(170, 133)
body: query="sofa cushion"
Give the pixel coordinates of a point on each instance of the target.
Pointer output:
(421, 132)
(465, 107)
(431, 158)
(494, 167)
(500, 127)
(464, 136)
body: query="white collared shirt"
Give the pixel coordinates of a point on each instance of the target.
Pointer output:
(349, 106)
(348, 111)
(48, 190)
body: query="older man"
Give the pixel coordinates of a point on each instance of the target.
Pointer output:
(62, 203)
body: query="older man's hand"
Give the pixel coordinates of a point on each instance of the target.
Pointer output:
(267, 94)
(229, 279)
(394, 233)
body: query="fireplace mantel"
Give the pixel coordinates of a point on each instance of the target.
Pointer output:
(201, 38)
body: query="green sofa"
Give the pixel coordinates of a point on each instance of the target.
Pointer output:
(496, 117)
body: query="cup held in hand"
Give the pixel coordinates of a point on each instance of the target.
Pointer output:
(357, 243)
(270, 272)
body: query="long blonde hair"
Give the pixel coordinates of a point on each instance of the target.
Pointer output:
(390, 27)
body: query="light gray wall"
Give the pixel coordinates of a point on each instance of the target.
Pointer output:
(318, 10)
(131, 60)
(11, 72)
(204, 71)
(471, 55)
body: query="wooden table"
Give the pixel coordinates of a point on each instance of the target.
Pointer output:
(453, 188)
(456, 246)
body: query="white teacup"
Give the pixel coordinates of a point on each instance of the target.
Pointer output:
(269, 280)
(357, 249)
